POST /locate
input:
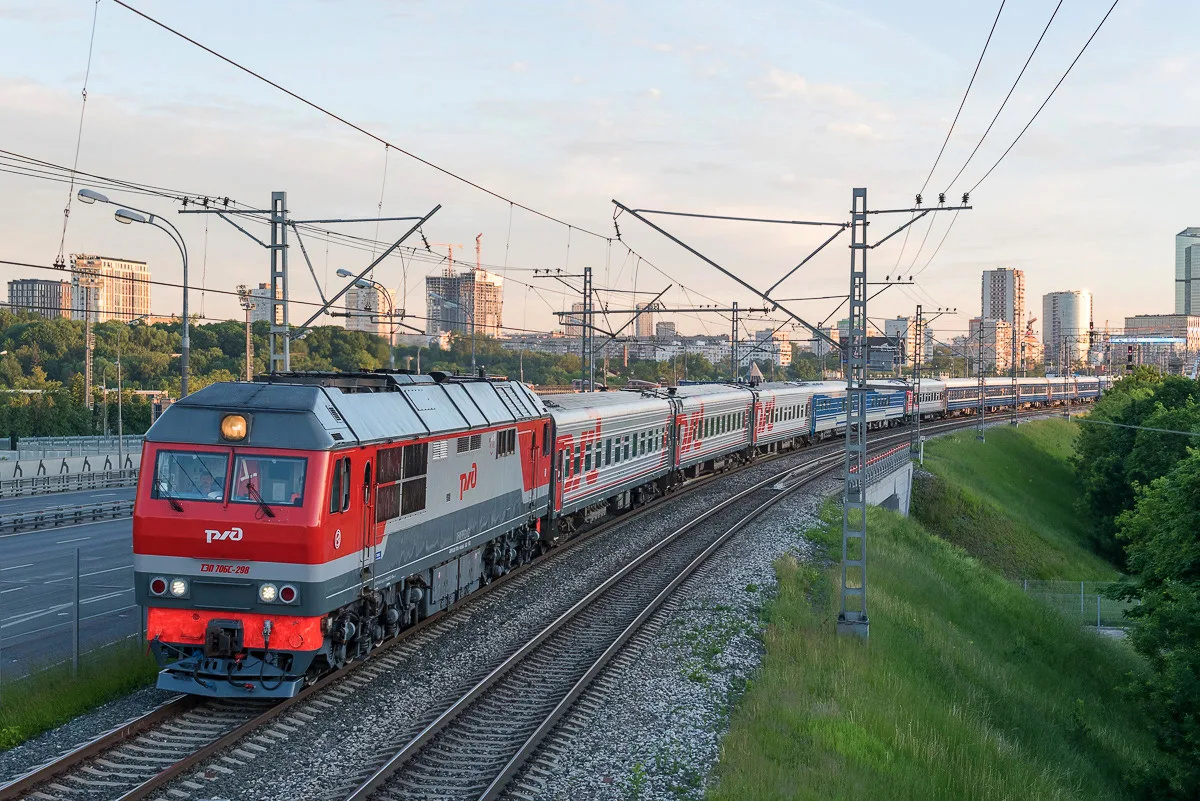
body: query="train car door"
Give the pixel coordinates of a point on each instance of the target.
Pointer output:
(367, 528)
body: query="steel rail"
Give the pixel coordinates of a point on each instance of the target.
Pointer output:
(17, 787)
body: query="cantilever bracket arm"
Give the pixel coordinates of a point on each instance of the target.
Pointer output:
(308, 261)
(711, 263)
(629, 322)
(820, 247)
(243, 230)
(295, 332)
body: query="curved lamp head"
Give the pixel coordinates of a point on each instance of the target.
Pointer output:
(91, 196)
(344, 273)
(125, 217)
(362, 283)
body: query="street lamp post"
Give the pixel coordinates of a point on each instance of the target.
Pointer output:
(363, 283)
(128, 215)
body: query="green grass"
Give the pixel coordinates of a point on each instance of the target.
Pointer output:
(49, 698)
(967, 689)
(1008, 501)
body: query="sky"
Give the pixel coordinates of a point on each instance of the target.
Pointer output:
(760, 108)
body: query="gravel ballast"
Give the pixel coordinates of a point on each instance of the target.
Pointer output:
(317, 749)
(652, 729)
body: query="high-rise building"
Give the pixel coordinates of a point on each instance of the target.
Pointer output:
(995, 346)
(109, 289)
(664, 330)
(772, 345)
(47, 298)
(573, 325)
(262, 304)
(1172, 357)
(1003, 295)
(643, 326)
(473, 300)
(1187, 271)
(903, 331)
(1066, 326)
(366, 310)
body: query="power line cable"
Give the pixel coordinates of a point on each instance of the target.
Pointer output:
(87, 73)
(349, 124)
(1047, 100)
(964, 97)
(1011, 89)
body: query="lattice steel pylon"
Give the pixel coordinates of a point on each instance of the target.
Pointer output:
(281, 343)
(852, 617)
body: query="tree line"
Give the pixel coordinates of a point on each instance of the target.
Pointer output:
(1137, 460)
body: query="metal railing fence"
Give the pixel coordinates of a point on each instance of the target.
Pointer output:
(1082, 601)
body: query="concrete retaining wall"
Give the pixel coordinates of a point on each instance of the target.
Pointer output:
(893, 490)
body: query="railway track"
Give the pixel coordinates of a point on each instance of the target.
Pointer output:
(144, 755)
(478, 742)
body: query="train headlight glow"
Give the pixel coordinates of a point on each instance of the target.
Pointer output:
(267, 593)
(233, 427)
(179, 587)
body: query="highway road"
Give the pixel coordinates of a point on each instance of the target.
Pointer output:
(37, 583)
(30, 503)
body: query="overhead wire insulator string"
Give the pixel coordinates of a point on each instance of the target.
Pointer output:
(946, 141)
(59, 261)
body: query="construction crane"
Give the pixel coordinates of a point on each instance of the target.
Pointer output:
(450, 253)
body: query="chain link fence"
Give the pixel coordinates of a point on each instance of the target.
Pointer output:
(1082, 601)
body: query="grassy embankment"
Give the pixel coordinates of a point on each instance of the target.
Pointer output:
(51, 697)
(968, 688)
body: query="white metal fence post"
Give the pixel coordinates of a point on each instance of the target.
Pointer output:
(75, 622)
(1097, 610)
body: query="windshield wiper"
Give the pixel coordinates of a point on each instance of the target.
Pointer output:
(252, 491)
(171, 499)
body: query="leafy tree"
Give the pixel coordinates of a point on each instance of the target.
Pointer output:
(1162, 533)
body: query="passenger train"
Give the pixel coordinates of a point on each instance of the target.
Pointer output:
(286, 526)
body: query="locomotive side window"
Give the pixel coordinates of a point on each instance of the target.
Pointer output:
(189, 476)
(274, 480)
(546, 440)
(339, 490)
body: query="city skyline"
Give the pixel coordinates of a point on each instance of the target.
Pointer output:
(1077, 149)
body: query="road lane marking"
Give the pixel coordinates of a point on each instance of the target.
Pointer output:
(14, 589)
(15, 567)
(77, 539)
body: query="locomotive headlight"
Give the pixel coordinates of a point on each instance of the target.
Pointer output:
(233, 427)
(179, 587)
(267, 593)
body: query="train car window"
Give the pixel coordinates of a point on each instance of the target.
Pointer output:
(413, 496)
(578, 461)
(390, 462)
(416, 460)
(506, 442)
(587, 457)
(367, 484)
(546, 440)
(275, 480)
(387, 502)
(626, 446)
(190, 476)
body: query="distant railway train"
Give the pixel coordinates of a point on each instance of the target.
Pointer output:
(288, 525)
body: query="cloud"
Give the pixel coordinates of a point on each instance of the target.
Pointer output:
(518, 66)
(858, 130)
(654, 93)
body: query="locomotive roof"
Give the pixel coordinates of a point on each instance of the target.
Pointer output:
(583, 400)
(326, 411)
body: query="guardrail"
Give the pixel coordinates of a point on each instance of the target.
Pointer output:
(64, 516)
(882, 464)
(73, 446)
(67, 482)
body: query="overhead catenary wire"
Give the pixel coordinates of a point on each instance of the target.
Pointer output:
(1004, 103)
(87, 73)
(1070, 67)
(332, 115)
